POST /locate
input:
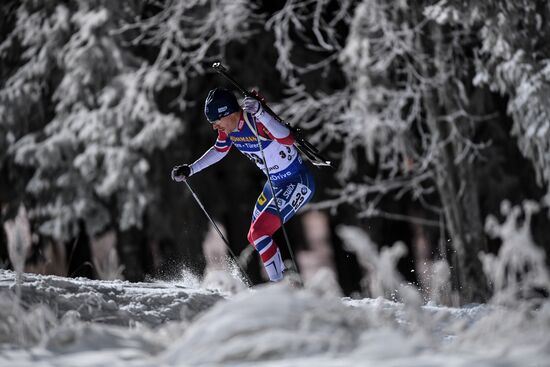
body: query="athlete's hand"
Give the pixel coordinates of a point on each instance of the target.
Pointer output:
(180, 173)
(253, 106)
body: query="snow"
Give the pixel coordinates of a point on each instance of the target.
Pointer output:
(66, 322)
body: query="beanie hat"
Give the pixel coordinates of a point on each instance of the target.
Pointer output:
(220, 103)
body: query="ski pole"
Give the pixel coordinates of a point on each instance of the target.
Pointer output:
(277, 205)
(217, 230)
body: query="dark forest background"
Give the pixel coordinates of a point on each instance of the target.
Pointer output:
(435, 115)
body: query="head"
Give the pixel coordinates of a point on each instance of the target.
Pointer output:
(222, 110)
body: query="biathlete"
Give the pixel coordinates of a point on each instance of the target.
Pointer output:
(292, 182)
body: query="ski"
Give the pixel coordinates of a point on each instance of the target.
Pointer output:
(306, 148)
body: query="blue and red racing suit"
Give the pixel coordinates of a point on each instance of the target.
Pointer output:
(292, 181)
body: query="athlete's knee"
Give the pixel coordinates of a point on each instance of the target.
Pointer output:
(251, 235)
(265, 225)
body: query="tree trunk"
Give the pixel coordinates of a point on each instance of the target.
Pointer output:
(458, 192)
(453, 175)
(131, 246)
(79, 256)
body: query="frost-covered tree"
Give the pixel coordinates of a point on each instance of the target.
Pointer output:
(89, 155)
(403, 90)
(98, 99)
(514, 60)
(191, 35)
(81, 107)
(404, 107)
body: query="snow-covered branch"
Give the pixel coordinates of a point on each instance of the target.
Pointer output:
(190, 35)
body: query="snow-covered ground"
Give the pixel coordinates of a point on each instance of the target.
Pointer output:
(79, 322)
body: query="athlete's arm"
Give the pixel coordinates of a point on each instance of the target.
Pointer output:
(275, 130)
(278, 131)
(212, 155)
(209, 158)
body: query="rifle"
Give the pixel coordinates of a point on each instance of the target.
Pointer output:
(303, 146)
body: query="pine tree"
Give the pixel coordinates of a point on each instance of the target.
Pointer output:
(88, 108)
(89, 147)
(404, 107)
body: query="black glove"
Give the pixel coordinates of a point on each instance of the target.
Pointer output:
(180, 173)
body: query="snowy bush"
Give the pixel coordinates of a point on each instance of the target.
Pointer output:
(21, 326)
(382, 278)
(18, 232)
(518, 272)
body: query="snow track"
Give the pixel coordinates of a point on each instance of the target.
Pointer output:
(78, 322)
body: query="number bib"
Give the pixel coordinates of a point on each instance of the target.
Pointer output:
(283, 161)
(290, 195)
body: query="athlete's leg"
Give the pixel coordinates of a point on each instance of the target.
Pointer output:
(260, 236)
(291, 196)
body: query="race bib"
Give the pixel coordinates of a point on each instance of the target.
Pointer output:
(300, 196)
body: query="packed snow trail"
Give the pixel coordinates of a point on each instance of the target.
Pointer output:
(78, 322)
(113, 302)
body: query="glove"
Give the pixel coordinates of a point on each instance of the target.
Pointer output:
(253, 106)
(180, 173)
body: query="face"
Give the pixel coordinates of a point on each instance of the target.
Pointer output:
(228, 123)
